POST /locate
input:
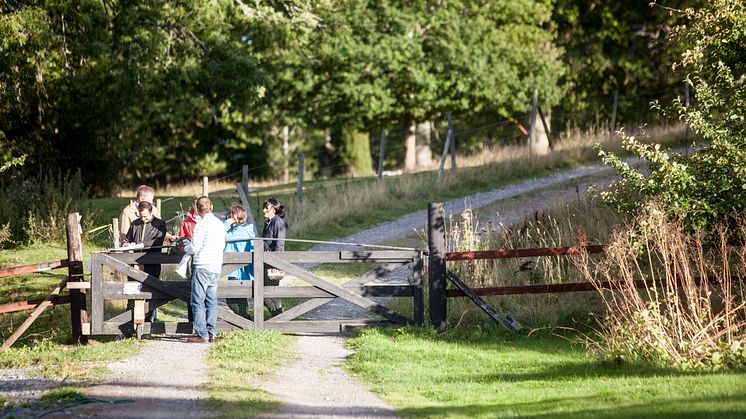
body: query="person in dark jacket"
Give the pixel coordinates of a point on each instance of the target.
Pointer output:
(150, 231)
(274, 228)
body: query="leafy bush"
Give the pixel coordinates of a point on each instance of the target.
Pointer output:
(34, 208)
(704, 188)
(691, 308)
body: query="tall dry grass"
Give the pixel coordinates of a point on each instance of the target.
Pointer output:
(577, 222)
(692, 311)
(325, 206)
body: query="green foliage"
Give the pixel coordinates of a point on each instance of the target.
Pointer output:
(709, 185)
(613, 45)
(35, 208)
(128, 92)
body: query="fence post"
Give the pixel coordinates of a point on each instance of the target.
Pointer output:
(546, 128)
(158, 205)
(78, 312)
(613, 111)
(380, 154)
(532, 118)
(446, 146)
(115, 230)
(205, 186)
(452, 142)
(436, 241)
(301, 168)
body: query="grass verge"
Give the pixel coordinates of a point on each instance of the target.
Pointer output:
(484, 373)
(238, 360)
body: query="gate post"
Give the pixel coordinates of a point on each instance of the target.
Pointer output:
(78, 313)
(258, 284)
(436, 241)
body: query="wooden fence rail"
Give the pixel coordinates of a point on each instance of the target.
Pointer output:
(32, 268)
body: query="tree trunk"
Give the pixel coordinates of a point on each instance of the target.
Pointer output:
(410, 145)
(286, 153)
(542, 136)
(423, 152)
(356, 151)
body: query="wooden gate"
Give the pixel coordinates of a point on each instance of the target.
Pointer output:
(150, 292)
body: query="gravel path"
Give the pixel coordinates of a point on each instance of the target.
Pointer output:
(316, 386)
(163, 381)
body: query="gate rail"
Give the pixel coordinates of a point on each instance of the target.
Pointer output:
(150, 292)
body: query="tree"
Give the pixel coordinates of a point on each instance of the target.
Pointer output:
(132, 92)
(369, 63)
(616, 46)
(709, 185)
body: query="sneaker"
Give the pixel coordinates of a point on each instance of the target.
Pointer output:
(197, 339)
(211, 337)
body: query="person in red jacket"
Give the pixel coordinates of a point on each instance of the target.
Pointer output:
(186, 229)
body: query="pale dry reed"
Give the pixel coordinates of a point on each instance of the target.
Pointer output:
(691, 311)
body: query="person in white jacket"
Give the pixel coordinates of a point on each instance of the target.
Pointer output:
(206, 249)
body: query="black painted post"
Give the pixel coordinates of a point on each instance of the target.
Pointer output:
(436, 240)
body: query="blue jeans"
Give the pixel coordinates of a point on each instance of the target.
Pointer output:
(204, 301)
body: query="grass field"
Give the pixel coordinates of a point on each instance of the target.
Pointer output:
(484, 373)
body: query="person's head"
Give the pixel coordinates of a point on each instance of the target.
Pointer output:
(272, 207)
(204, 205)
(238, 214)
(144, 194)
(193, 209)
(145, 209)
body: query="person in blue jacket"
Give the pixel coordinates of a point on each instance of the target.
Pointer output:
(238, 235)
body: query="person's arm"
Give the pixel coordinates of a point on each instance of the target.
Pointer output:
(198, 241)
(124, 225)
(129, 237)
(160, 233)
(238, 234)
(281, 232)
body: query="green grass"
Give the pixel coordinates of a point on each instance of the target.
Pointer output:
(85, 362)
(238, 361)
(482, 373)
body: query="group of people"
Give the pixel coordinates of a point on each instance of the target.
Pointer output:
(205, 237)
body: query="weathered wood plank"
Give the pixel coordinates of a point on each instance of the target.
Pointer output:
(376, 273)
(31, 304)
(32, 268)
(273, 260)
(30, 320)
(520, 253)
(97, 293)
(159, 328)
(322, 326)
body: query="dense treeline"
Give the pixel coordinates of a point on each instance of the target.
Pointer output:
(147, 91)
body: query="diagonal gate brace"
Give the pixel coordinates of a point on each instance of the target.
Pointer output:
(505, 321)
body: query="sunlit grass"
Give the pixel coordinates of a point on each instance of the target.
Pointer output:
(483, 373)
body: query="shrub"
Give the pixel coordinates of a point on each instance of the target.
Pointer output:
(691, 311)
(34, 208)
(706, 187)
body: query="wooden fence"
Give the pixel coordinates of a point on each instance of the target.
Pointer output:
(150, 292)
(76, 297)
(439, 276)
